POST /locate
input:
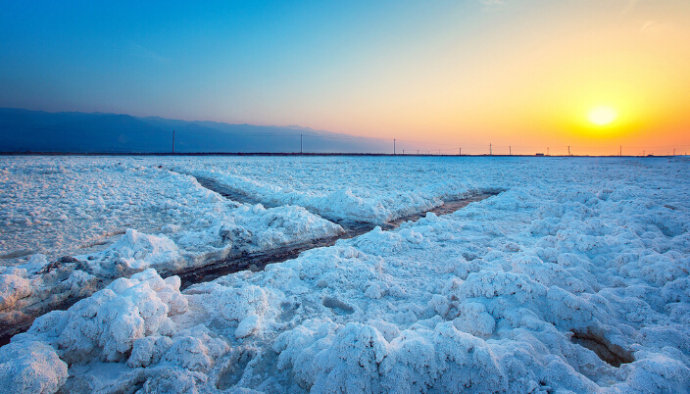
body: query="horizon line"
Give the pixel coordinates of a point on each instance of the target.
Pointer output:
(36, 153)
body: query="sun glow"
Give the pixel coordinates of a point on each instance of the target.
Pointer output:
(602, 116)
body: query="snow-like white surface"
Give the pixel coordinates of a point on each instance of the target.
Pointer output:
(78, 205)
(485, 299)
(57, 205)
(117, 216)
(366, 189)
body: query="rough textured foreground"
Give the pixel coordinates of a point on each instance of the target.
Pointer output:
(508, 294)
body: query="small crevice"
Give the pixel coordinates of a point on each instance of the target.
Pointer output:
(609, 352)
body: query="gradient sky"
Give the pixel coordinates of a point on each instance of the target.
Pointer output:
(520, 73)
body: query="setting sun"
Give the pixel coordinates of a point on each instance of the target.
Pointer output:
(602, 116)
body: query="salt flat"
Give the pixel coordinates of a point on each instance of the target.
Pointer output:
(511, 293)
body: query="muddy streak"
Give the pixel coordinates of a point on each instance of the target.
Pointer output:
(447, 208)
(241, 261)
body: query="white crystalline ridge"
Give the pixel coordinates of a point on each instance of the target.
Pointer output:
(273, 227)
(12, 288)
(486, 299)
(107, 326)
(336, 201)
(17, 282)
(249, 228)
(136, 251)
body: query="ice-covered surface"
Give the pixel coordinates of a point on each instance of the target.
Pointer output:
(486, 299)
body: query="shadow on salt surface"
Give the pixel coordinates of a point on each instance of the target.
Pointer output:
(234, 367)
(337, 306)
(17, 254)
(99, 243)
(93, 245)
(241, 261)
(611, 353)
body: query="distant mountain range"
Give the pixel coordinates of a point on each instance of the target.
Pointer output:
(77, 132)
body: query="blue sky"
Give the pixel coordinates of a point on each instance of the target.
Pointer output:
(218, 60)
(224, 60)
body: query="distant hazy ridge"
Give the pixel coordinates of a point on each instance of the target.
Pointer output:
(77, 132)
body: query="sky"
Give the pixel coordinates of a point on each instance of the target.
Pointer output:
(521, 75)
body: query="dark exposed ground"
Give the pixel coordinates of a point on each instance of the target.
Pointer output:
(611, 353)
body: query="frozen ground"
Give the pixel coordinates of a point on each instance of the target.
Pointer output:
(507, 294)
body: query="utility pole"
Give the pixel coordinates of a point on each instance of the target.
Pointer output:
(301, 145)
(173, 142)
(547, 151)
(459, 151)
(490, 151)
(393, 146)
(569, 151)
(620, 150)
